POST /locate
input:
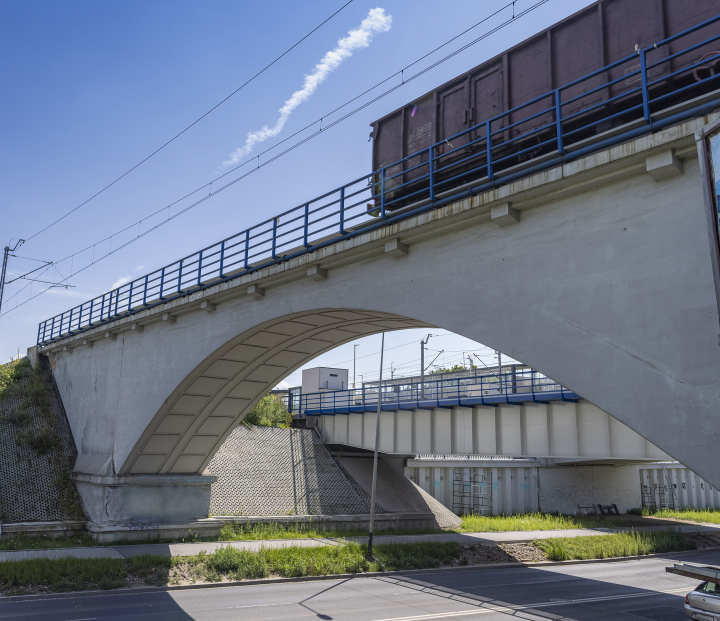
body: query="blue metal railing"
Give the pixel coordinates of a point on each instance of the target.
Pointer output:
(489, 389)
(421, 181)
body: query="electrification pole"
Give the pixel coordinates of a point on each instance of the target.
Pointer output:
(8, 250)
(354, 351)
(423, 342)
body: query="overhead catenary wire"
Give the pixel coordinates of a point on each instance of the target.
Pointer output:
(195, 122)
(282, 153)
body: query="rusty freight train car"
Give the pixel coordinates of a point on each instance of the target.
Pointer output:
(514, 96)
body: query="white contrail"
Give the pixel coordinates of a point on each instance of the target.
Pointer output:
(376, 21)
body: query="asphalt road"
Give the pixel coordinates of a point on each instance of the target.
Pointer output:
(631, 591)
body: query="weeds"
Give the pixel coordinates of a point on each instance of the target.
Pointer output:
(611, 546)
(42, 442)
(23, 541)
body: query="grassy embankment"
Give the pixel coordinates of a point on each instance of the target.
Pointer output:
(707, 516)
(27, 412)
(230, 564)
(255, 532)
(615, 545)
(224, 564)
(537, 521)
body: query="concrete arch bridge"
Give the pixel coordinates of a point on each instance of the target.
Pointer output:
(597, 272)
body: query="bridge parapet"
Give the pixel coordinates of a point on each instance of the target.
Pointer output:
(484, 389)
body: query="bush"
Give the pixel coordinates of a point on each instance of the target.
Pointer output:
(269, 412)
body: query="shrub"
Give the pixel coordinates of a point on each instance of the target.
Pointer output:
(269, 412)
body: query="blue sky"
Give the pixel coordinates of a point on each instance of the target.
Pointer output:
(94, 87)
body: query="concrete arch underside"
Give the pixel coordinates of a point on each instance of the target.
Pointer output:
(212, 400)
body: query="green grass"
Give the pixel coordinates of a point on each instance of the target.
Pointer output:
(615, 545)
(67, 574)
(536, 521)
(232, 564)
(708, 516)
(224, 564)
(233, 531)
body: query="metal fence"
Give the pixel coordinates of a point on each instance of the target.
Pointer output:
(518, 387)
(496, 151)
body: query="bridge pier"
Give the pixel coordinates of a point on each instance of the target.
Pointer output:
(142, 506)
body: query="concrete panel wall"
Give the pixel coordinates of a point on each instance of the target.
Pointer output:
(679, 486)
(484, 490)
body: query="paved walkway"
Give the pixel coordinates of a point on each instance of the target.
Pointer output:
(189, 549)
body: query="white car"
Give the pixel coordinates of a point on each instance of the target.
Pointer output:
(703, 604)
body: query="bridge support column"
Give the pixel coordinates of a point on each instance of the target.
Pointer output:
(146, 506)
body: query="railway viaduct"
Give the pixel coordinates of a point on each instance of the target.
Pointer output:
(597, 272)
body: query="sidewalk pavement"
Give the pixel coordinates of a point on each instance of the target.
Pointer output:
(189, 549)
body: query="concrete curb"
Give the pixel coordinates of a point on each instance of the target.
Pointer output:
(377, 574)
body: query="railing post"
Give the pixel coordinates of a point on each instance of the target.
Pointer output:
(558, 121)
(90, 320)
(162, 282)
(145, 292)
(247, 247)
(62, 317)
(40, 325)
(305, 228)
(70, 321)
(488, 148)
(179, 287)
(222, 258)
(532, 384)
(342, 210)
(132, 282)
(645, 92)
(382, 194)
(199, 268)
(274, 237)
(44, 328)
(431, 173)
(102, 307)
(482, 396)
(52, 328)
(117, 297)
